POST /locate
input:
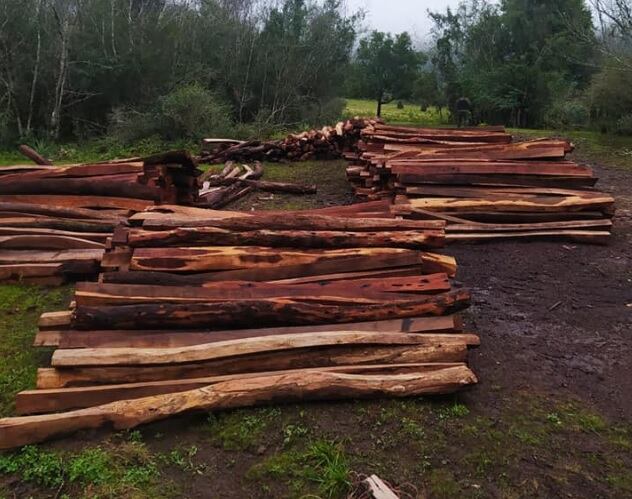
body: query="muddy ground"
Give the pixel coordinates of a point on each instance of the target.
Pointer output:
(556, 316)
(551, 416)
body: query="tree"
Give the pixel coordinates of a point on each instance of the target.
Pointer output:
(387, 66)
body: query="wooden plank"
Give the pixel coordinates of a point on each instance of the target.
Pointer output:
(583, 236)
(249, 258)
(73, 201)
(176, 338)
(12, 257)
(304, 222)
(94, 294)
(19, 431)
(46, 242)
(202, 236)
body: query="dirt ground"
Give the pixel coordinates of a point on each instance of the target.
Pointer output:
(556, 317)
(551, 416)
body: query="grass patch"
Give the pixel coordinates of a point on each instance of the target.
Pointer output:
(123, 469)
(411, 113)
(607, 149)
(20, 307)
(323, 466)
(241, 429)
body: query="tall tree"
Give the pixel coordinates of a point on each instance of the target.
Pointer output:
(388, 66)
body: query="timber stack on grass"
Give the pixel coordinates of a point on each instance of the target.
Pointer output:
(203, 310)
(483, 184)
(330, 142)
(54, 221)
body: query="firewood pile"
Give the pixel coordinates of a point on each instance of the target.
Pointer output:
(54, 221)
(330, 142)
(482, 184)
(237, 181)
(202, 310)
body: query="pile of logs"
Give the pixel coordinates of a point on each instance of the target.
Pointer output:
(330, 142)
(236, 181)
(54, 221)
(482, 184)
(202, 310)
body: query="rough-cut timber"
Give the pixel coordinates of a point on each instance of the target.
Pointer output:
(15, 432)
(265, 312)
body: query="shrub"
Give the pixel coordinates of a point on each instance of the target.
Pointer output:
(192, 112)
(567, 114)
(624, 125)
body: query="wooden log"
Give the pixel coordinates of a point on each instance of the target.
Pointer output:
(264, 312)
(602, 224)
(96, 237)
(63, 399)
(34, 156)
(268, 361)
(263, 185)
(174, 338)
(19, 431)
(86, 357)
(307, 222)
(285, 238)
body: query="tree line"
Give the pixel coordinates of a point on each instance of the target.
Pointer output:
(131, 69)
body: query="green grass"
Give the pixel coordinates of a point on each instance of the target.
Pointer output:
(609, 150)
(119, 468)
(20, 307)
(242, 429)
(410, 114)
(322, 465)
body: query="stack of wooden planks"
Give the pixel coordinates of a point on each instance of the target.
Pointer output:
(335, 306)
(54, 221)
(330, 142)
(482, 184)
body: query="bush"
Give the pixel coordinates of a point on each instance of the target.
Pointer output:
(190, 112)
(624, 125)
(567, 114)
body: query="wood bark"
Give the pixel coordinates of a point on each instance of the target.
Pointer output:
(265, 312)
(63, 399)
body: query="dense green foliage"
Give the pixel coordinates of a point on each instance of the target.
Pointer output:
(71, 69)
(514, 60)
(385, 67)
(176, 70)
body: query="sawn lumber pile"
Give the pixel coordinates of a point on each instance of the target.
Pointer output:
(330, 142)
(481, 183)
(202, 311)
(54, 221)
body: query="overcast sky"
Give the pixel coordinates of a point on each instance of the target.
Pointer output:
(400, 15)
